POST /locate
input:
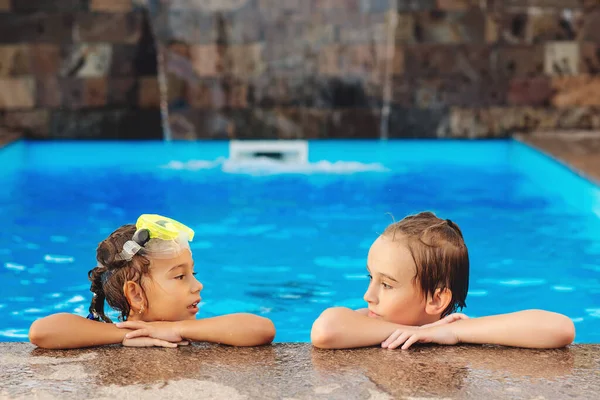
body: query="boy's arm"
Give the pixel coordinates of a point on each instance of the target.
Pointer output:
(341, 328)
(233, 329)
(69, 331)
(531, 329)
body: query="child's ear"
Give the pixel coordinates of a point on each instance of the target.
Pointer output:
(135, 296)
(437, 303)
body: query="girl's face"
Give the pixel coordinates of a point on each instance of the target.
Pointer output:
(393, 293)
(172, 291)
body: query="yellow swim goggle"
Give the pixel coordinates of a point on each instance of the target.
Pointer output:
(157, 236)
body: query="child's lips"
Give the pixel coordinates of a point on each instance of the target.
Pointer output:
(371, 314)
(194, 306)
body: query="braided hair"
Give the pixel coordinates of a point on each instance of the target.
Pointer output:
(110, 275)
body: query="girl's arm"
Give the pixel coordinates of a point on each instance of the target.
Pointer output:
(340, 328)
(233, 329)
(69, 331)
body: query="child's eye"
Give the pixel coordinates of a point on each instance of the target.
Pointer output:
(385, 285)
(180, 277)
(194, 273)
(370, 277)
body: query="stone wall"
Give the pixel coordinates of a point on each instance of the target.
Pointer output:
(325, 68)
(77, 69)
(299, 68)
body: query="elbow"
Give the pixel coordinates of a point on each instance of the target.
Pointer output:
(324, 332)
(267, 331)
(263, 331)
(37, 334)
(565, 332)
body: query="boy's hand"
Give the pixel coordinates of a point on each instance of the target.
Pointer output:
(151, 342)
(448, 319)
(441, 334)
(165, 331)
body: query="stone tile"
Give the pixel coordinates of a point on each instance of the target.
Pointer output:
(95, 92)
(49, 5)
(530, 91)
(438, 93)
(72, 93)
(561, 58)
(416, 5)
(190, 26)
(33, 123)
(177, 91)
(518, 61)
(17, 93)
(493, 27)
(363, 29)
(539, 26)
(405, 29)
(589, 59)
(15, 60)
(451, 27)
(301, 123)
(366, 62)
(246, 60)
(521, 5)
(45, 59)
(195, 124)
(417, 123)
(106, 124)
(207, 61)
(573, 91)
(87, 60)
(276, 10)
(238, 29)
(291, 61)
(403, 92)
(48, 92)
(122, 60)
(456, 5)
(351, 123)
(470, 61)
(109, 27)
(111, 5)
(589, 31)
(122, 92)
(36, 28)
(4, 5)
(270, 91)
(149, 92)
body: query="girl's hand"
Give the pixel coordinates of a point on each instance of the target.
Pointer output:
(151, 342)
(446, 320)
(165, 331)
(441, 334)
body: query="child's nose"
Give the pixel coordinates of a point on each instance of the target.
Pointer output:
(198, 286)
(370, 295)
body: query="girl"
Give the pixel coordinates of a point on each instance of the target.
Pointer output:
(146, 272)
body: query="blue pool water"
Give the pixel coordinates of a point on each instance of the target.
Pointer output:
(287, 242)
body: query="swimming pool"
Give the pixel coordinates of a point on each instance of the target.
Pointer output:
(287, 242)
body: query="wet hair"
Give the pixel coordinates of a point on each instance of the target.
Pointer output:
(111, 274)
(440, 255)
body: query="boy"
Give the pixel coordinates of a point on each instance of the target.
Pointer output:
(419, 272)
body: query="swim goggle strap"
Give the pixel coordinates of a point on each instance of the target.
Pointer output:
(157, 237)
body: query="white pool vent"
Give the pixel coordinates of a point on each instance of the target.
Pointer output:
(285, 151)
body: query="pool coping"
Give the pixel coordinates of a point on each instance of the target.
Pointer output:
(299, 371)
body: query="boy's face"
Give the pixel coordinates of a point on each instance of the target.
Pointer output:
(393, 294)
(172, 290)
